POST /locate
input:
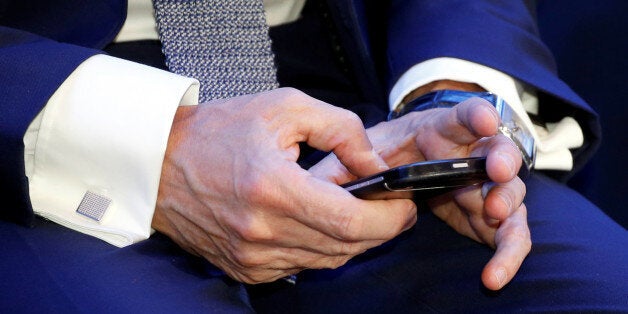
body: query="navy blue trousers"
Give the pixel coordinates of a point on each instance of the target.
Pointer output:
(578, 262)
(579, 259)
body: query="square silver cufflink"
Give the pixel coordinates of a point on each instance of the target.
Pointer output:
(93, 205)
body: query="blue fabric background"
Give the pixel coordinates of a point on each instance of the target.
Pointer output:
(590, 42)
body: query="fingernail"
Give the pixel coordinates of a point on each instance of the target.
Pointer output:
(486, 187)
(381, 163)
(506, 201)
(493, 113)
(410, 223)
(508, 161)
(500, 275)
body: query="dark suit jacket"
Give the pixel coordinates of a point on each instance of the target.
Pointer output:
(43, 41)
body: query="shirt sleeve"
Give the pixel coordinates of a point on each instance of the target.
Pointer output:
(553, 141)
(104, 133)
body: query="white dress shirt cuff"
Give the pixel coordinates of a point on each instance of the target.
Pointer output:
(553, 142)
(105, 131)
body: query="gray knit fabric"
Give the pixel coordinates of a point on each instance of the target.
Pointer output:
(222, 43)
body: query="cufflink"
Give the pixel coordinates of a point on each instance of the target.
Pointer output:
(511, 124)
(93, 205)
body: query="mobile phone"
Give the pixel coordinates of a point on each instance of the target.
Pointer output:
(422, 179)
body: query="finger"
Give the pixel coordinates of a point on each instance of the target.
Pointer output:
(255, 275)
(503, 159)
(467, 122)
(219, 251)
(460, 219)
(466, 215)
(332, 170)
(504, 199)
(301, 200)
(282, 233)
(296, 258)
(330, 209)
(268, 263)
(330, 128)
(485, 208)
(513, 245)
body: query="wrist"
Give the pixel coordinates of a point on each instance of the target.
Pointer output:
(441, 85)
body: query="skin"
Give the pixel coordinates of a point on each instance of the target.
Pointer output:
(232, 192)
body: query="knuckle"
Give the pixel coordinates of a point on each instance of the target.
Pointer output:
(405, 221)
(248, 259)
(345, 248)
(352, 120)
(338, 261)
(528, 246)
(521, 233)
(253, 188)
(255, 277)
(253, 231)
(349, 225)
(249, 228)
(522, 236)
(293, 96)
(330, 262)
(522, 187)
(290, 91)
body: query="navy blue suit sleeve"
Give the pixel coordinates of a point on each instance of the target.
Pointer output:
(31, 70)
(500, 34)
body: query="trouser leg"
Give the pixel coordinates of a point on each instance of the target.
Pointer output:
(578, 263)
(52, 269)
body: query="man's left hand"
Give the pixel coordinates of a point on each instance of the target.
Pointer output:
(497, 216)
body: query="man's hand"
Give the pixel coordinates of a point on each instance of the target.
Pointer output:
(469, 129)
(232, 192)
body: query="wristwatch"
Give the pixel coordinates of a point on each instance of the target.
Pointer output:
(511, 124)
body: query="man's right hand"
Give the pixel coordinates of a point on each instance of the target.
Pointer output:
(232, 192)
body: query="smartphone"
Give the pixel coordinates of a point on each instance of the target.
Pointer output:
(421, 180)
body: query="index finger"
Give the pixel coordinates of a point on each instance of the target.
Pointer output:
(330, 209)
(330, 128)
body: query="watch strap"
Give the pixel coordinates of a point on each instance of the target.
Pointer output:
(445, 98)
